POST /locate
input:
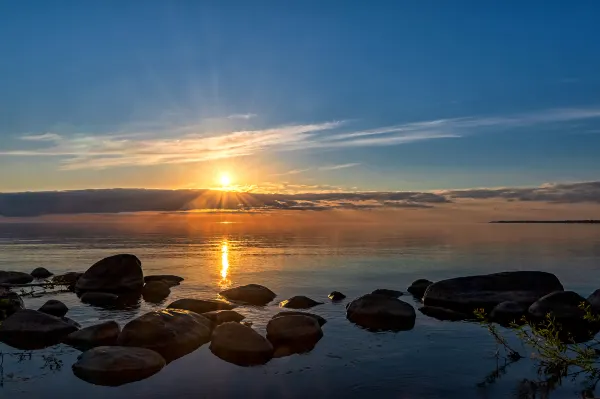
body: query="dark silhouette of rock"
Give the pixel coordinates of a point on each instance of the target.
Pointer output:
(103, 334)
(444, 314)
(336, 296)
(224, 316)
(253, 294)
(318, 318)
(100, 298)
(69, 279)
(594, 300)
(116, 273)
(171, 332)
(299, 302)
(29, 329)
(200, 305)
(15, 277)
(168, 279)
(41, 272)
(117, 365)
(10, 302)
(418, 287)
(71, 322)
(155, 291)
(465, 294)
(386, 292)
(54, 307)
(378, 312)
(238, 344)
(293, 334)
(508, 312)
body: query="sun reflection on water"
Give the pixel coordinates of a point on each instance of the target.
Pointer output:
(224, 263)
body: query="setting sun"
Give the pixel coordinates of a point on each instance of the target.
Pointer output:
(225, 180)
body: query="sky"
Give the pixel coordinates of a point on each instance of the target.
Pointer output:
(303, 96)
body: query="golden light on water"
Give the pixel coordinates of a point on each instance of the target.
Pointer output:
(224, 260)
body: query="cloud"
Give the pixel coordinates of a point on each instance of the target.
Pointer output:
(242, 116)
(341, 166)
(42, 137)
(292, 172)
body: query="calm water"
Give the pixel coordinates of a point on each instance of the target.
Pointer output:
(434, 360)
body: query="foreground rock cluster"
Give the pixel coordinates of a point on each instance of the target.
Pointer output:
(115, 355)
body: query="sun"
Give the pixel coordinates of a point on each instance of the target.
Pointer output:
(225, 180)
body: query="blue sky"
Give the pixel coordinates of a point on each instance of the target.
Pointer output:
(310, 95)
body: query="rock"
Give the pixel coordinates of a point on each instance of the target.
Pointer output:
(69, 279)
(299, 302)
(465, 294)
(200, 305)
(378, 312)
(508, 312)
(155, 291)
(386, 292)
(168, 279)
(594, 300)
(99, 298)
(54, 307)
(104, 334)
(30, 329)
(171, 332)
(71, 322)
(117, 365)
(444, 314)
(10, 302)
(253, 294)
(224, 316)
(293, 334)
(41, 272)
(15, 277)
(238, 344)
(336, 296)
(318, 318)
(116, 273)
(418, 287)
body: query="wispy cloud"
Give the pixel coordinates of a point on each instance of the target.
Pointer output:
(42, 137)
(341, 166)
(292, 172)
(242, 116)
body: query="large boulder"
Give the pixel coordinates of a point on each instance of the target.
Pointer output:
(117, 365)
(116, 273)
(318, 318)
(30, 329)
(386, 292)
(10, 302)
(223, 316)
(336, 296)
(418, 287)
(508, 312)
(241, 345)
(465, 294)
(293, 334)
(54, 307)
(200, 305)
(103, 334)
(299, 302)
(253, 294)
(41, 272)
(8, 277)
(378, 312)
(171, 332)
(168, 279)
(101, 299)
(155, 291)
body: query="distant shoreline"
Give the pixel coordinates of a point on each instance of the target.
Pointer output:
(591, 221)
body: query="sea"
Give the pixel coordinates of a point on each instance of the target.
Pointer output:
(436, 359)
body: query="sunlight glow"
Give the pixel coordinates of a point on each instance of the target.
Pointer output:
(224, 259)
(225, 180)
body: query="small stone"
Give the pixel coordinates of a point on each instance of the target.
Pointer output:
(168, 279)
(386, 292)
(15, 277)
(253, 294)
(55, 308)
(30, 329)
(293, 334)
(223, 316)
(235, 343)
(155, 291)
(41, 272)
(336, 296)
(508, 312)
(378, 312)
(418, 287)
(299, 302)
(104, 334)
(200, 305)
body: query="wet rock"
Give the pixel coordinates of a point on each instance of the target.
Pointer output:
(336, 296)
(71, 322)
(293, 334)
(238, 344)
(465, 294)
(30, 329)
(155, 291)
(100, 298)
(41, 272)
(168, 279)
(15, 277)
(54, 307)
(10, 302)
(318, 318)
(378, 312)
(253, 294)
(69, 279)
(386, 292)
(594, 300)
(200, 305)
(444, 314)
(299, 302)
(103, 334)
(223, 316)
(117, 365)
(171, 332)
(508, 312)
(116, 273)
(418, 287)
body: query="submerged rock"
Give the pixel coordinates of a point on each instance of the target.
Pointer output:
(30, 329)
(116, 273)
(104, 334)
(10, 302)
(224, 316)
(444, 314)
(155, 291)
(99, 298)
(253, 294)
(318, 318)
(238, 344)
(15, 277)
(378, 312)
(54, 307)
(293, 334)
(418, 287)
(168, 279)
(41, 272)
(200, 305)
(171, 332)
(117, 365)
(508, 312)
(386, 292)
(336, 296)
(299, 302)
(465, 294)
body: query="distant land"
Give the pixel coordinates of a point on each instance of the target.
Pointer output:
(591, 221)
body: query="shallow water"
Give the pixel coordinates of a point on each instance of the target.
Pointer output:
(434, 360)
